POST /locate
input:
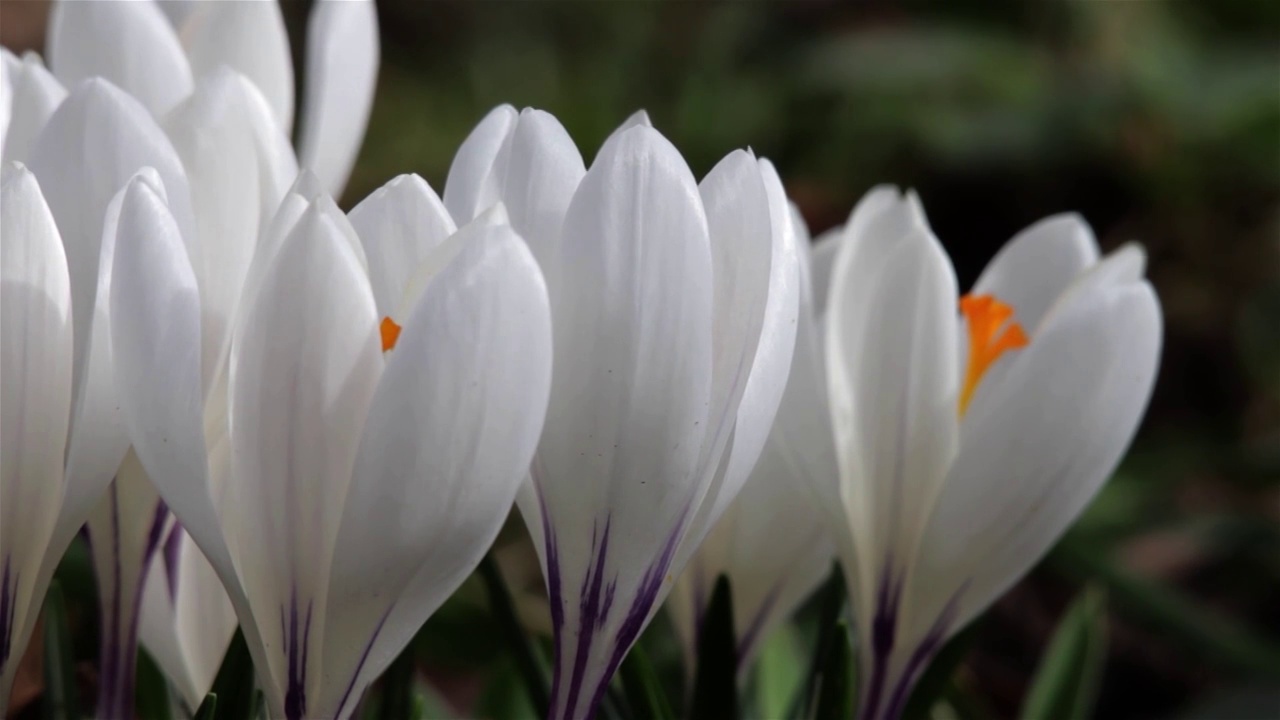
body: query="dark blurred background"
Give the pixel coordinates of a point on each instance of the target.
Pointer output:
(1159, 121)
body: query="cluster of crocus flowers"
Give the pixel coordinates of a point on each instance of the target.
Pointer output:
(312, 423)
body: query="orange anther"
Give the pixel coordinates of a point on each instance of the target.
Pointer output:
(390, 333)
(987, 316)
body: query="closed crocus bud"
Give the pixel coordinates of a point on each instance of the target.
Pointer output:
(673, 308)
(28, 96)
(363, 474)
(161, 52)
(971, 430)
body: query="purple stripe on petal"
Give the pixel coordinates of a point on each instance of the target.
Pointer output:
(172, 552)
(295, 698)
(8, 607)
(923, 654)
(364, 656)
(884, 626)
(590, 615)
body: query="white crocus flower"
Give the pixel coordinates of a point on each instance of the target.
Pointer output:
(770, 543)
(968, 441)
(673, 309)
(28, 96)
(353, 492)
(162, 59)
(36, 349)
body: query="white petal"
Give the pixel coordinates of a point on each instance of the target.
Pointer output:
(631, 382)
(125, 531)
(1034, 454)
(33, 94)
(93, 144)
(302, 377)
(450, 434)
(229, 145)
(399, 224)
(754, 261)
(639, 118)
(130, 44)
(248, 37)
(543, 170)
(186, 622)
(341, 70)
(1037, 265)
(35, 399)
(155, 341)
(471, 187)
(441, 255)
(891, 373)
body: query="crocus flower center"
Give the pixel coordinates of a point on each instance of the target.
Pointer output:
(390, 333)
(992, 332)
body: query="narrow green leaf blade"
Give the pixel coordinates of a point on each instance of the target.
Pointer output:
(527, 659)
(1065, 685)
(235, 682)
(835, 685)
(715, 688)
(151, 690)
(831, 603)
(208, 709)
(59, 670)
(643, 691)
(937, 678)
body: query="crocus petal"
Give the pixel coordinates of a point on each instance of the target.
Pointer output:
(125, 531)
(1037, 450)
(130, 44)
(186, 621)
(31, 96)
(342, 66)
(892, 379)
(471, 188)
(232, 151)
(155, 341)
(35, 403)
(1033, 269)
(399, 224)
(755, 305)
(469, 378)
(248, 37)
(93, 144)
(639, 118)
(543, 169)
(302, 377)
(629, 404)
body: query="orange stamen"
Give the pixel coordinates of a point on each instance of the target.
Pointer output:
(987, 316)
(390, 333)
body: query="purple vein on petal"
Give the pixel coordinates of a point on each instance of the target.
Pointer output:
(924, 653)
(590, 606)
(295, 699)
(8, 608)
(884, 626)
(172, 552)
(364, 656)
(555, 594)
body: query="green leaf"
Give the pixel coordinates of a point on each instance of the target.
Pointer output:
(395, 692)
(1065, 685)
(527, 659)
(208, 709)
(835, 683)
(779, 672)
(235, 683)
(151, 690)
(831, 602)
(936, 680)
(643, 691)
(715, 686)
(59, 671)
(501, 698)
